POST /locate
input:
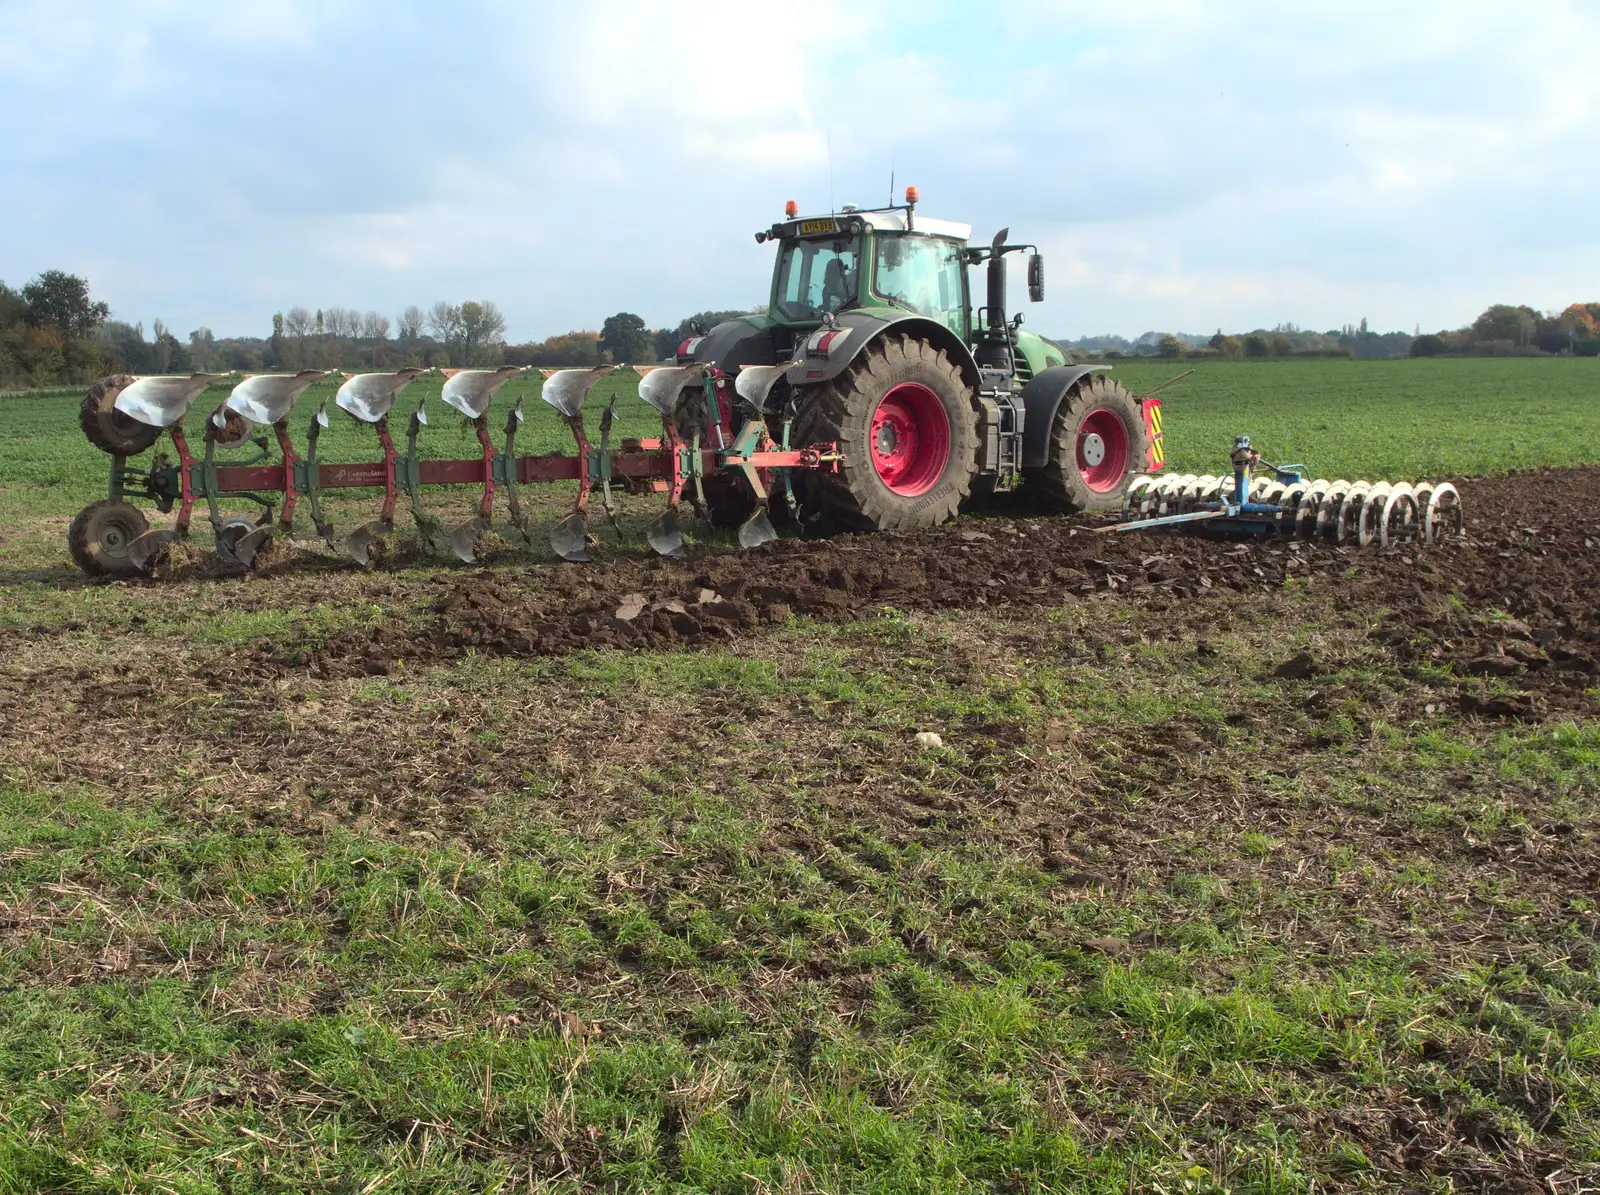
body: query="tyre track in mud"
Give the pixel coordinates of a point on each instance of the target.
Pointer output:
(1530, 552)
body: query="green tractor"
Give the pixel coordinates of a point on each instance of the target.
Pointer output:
(871, 341)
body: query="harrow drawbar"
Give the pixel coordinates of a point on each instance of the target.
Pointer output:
(1286, 502)
(697, 404)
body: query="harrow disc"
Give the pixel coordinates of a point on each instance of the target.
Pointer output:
(1442, 509)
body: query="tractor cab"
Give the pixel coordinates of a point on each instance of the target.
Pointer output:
(892, 262)
(870, 259)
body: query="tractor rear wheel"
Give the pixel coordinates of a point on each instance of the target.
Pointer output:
(109, 429)
(99, 537)
(1098, 444)
(903, 417)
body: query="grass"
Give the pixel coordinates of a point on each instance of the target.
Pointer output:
(713, 921)
(770, 945)
(1382, 419)
(1350, 418)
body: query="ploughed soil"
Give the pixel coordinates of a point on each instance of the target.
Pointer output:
(1502, 623)
(1530, 549)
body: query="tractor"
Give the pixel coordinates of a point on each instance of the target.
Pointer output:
(870, 340)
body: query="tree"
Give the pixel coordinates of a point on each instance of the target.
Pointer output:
(124, 346)
(445, 320)
(1230, 347)
(1281, 346)
(483, 332)
(1217, 341)
(1169, 346)
(164, 342)
(61, 301)
(1256, 345)
(1578, 319)
(344, 322)
(408, 328)
(202, 348)
(1430, 345)
(1505, 324)
(374, 326)
(626, 338)
(13, 308)
(276, 342)
(298, 323)
(573, 348)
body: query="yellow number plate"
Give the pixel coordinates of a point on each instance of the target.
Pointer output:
(807, 227)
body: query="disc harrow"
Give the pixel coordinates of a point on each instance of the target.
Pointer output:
(1286, 501)
(710, 429)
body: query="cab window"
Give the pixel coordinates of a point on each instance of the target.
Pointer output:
(817, 276)
(925, 274)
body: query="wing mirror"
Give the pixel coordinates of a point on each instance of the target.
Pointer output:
(1036, 278)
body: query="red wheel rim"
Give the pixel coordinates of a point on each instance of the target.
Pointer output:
(910, 439)
(1102, 449)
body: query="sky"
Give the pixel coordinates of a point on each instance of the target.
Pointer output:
(1183, 166)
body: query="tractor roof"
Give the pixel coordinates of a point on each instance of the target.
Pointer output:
(895, 221)
(889, 220)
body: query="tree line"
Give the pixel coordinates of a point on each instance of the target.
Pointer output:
(1515, 331)
(1501, 331)
(53, 332)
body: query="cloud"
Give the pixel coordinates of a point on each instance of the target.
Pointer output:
(1184, 166)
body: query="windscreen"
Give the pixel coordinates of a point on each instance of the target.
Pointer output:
(818, 276)
(922, 273)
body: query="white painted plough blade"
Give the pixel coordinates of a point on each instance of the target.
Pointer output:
(268, 397)
(369, 396)
(470, 391)
(660, 385)
(566, 389)
(163, 401)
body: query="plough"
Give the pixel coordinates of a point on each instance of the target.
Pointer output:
(714, 430)
(1284, 500)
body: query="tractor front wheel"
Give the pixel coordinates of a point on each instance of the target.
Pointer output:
(903, 418)
(109, 429)
(99, 537)
(1097, 446)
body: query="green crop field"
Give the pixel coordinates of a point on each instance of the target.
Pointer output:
(1343, 418)
(280, 914)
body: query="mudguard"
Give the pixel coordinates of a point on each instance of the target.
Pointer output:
(730, 346)
(1041, 398)
(828, 351)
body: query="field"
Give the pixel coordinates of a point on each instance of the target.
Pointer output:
(1243, 870)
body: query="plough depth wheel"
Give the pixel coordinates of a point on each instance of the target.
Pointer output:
(99, 537)
(107, 428)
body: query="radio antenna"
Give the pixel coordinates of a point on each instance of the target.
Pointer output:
(831, 208)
